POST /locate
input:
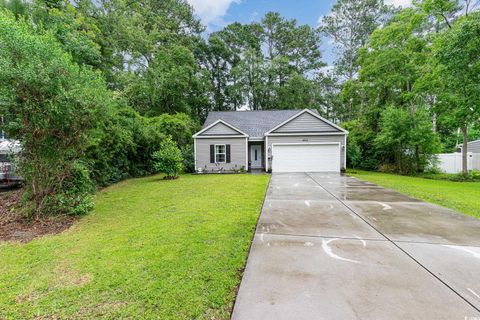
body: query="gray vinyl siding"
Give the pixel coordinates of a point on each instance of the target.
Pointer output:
(306, 123)
(237, 153)
(220, 129)
(474, 146)
(308, 139)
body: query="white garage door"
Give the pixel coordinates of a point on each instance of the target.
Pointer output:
(306, 158)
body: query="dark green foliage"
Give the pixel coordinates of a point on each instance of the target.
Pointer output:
(180, 127)
(122, 147)
(188, 158)
(406, 140)
(75, 193)
(77, 33)
(165, 86)
(51, 104)
(297, 93)
(361, 152)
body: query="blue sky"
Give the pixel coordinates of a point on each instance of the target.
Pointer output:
(305, 11)
(216, 14)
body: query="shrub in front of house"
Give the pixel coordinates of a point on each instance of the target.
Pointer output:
(168, 159)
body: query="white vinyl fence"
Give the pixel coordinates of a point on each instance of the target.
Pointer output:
(452, 162)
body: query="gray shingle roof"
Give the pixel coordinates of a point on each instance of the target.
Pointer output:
(253, 123)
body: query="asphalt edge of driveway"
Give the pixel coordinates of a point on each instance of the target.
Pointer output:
(391, 241)
(242, 271)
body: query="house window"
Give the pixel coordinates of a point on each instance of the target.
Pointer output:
(220, 153)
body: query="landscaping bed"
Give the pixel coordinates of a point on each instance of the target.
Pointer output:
(13, 227)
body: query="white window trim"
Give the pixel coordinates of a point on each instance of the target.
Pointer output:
(225, 153)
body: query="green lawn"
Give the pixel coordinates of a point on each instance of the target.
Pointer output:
(461, 196)
(150, 249)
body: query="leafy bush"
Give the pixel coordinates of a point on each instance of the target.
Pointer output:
(360, 150)
(52, 104)
(406, 140)
(179, 126)
(354, 154)
(75, 196)
(168, 159)
(123, 146)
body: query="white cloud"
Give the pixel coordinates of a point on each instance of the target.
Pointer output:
(399, 3)
(211, 11)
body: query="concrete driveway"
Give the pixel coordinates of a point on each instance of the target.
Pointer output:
(334, 247)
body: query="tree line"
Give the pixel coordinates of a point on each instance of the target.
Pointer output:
(92, 88)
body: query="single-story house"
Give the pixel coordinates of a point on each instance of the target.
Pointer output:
(270, 140)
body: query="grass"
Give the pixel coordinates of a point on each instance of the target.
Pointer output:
(460, 196)
(150, 249)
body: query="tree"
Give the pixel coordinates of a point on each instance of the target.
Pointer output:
(350, 24)
(217, 59)
(251, 75)
(164, 86)
(457, 51)
(297, 93)
(394, 65)
(133, 31)
(406, 139)
(248, 63)
(51, 104)
(169, 159)
(443, 11)
(147, 52)
(77, 33)
(393, 60)
(299, 45)
(180, 127)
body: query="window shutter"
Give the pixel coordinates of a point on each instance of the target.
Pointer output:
(228, 153)
(212, 153)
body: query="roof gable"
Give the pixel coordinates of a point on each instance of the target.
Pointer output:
(307, 122)
(220, 128)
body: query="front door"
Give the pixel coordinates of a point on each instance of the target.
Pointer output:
(256, 156)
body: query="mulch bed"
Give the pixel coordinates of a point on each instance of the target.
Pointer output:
(13, 227)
